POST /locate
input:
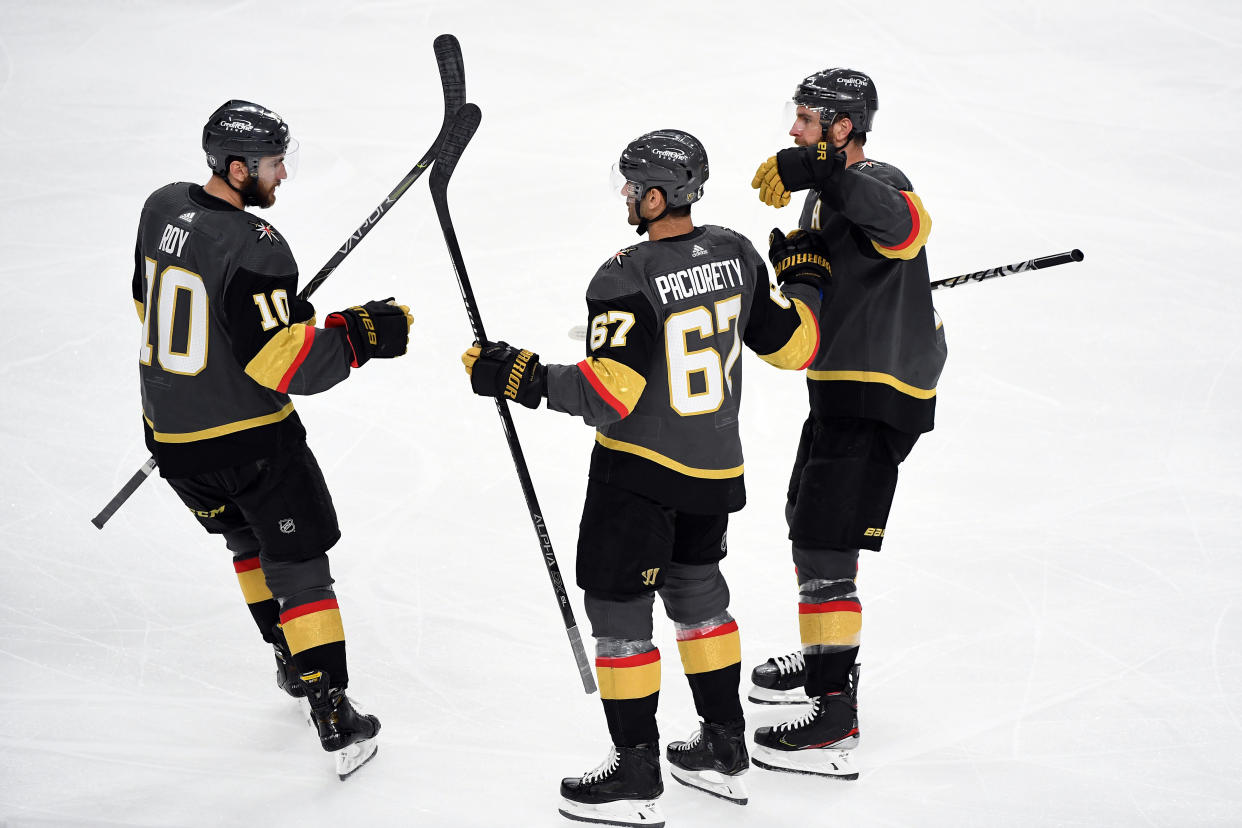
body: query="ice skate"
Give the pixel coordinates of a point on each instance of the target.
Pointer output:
(779, 680)
(343, 731)
(819, 742)
(287, 676)
(713, 760)
(622, 791)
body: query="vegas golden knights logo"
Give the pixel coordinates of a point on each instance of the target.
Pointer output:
(649, 576)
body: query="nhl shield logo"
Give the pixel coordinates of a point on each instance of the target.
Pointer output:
(286, 526)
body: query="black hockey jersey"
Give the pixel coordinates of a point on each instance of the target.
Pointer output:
(883, 343)
(662, 380)
(225, 339)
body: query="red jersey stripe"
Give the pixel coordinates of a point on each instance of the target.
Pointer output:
(308, 336)
(603, 392)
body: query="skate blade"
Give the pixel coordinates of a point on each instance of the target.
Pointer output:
(350, 759)
(835, 764)
(729, 788)
(764, 695)
(644, 812)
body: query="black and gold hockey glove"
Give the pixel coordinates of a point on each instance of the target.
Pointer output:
(798, 258)
(796, 168)
(497, 369)
(379, 329)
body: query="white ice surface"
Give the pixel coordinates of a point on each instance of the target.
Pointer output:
(1053, 629)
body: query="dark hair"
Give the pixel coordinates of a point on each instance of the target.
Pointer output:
(860, 138)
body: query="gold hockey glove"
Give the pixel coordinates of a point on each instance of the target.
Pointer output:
(768, 182)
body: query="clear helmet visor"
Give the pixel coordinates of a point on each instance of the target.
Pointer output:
(280, 167)
(623, 188)
(796, 117)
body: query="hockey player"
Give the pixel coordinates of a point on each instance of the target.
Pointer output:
(662, 382)
(872, 393)
(225, 340)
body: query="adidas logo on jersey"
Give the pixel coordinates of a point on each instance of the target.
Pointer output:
(698, 251)
(187, 217)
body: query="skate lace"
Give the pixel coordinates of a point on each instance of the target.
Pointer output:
(790, 663)
(803, 720)
(692, 741)
(605, 768)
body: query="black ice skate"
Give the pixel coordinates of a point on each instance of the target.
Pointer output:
(287, 676)
(342, 729)
(713, 759)
(779, 680)
(818, 742)
(622, 791)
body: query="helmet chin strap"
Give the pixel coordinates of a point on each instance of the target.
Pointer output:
(644, 222)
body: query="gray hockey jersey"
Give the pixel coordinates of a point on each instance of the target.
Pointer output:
(662, 378)
(225, 339)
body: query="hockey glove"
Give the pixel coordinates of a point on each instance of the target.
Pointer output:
(796, 168)
(379, 329)
(497, 369)
(798, 258)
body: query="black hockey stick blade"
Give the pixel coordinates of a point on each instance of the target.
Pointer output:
(1039, 263)
(453, 89)
(460, 131)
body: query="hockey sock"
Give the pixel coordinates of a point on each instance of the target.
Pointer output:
(830, 621)
(258, 597)
(711, 654)
(629, 686)
(312, 625)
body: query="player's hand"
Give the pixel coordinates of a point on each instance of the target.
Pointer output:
(798, 257)
(497, 369)
(767, 181)
(379, 329)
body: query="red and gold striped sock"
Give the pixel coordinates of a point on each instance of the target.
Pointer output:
(316, 638)
(629, 687)
(711, 654)
(831, 631)
(263, 606)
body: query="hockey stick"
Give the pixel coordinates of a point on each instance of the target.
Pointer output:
(453, 85)
(459, 135)
(579, 332)
(1074, 255)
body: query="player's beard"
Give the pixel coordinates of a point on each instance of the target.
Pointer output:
(254, 194)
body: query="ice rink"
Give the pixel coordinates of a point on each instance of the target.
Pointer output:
(1053, 632)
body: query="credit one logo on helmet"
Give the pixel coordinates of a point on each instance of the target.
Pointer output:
(237, 126)
(853, 81)
(670, 155)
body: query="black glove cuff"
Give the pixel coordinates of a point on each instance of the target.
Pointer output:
(803, 168)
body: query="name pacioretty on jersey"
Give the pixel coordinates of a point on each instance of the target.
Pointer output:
(699, 279)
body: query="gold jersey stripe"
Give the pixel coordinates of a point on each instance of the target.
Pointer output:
(830, 628)
(270, 364)
(313, 630)
(619, 379)
(873, 376)
(254, 586)
(142, 310)
(220, 431)
(628, 682)
(702, 655)
(667, 462)
(797, 352)
(919, 231)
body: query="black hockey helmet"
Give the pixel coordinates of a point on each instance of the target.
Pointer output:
(245, 130)
(833, 92)
(670, 159)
